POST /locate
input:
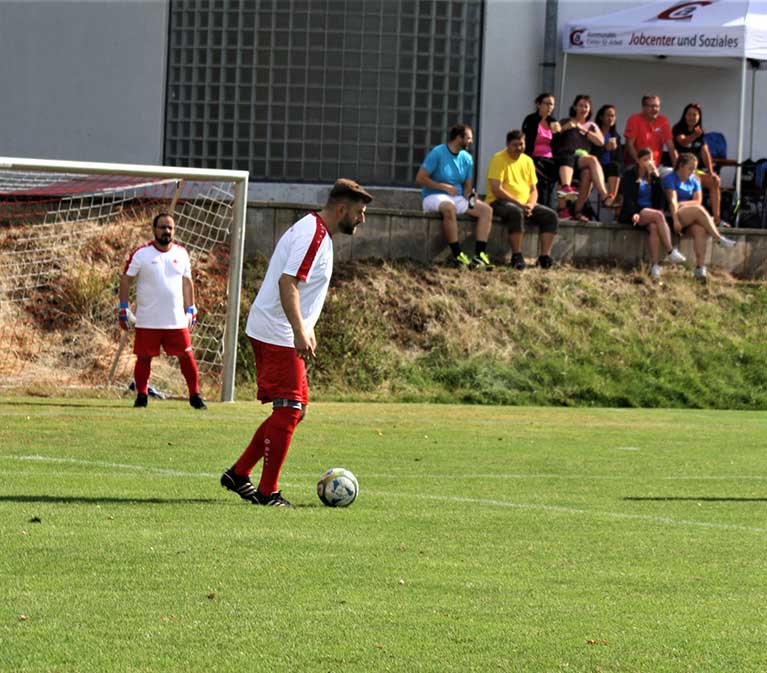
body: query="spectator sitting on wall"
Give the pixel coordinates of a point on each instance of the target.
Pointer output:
(683, 193)
(643, 202)
(689, 137)
(609, 154)
(513, 196)
(446, 180)
(541, 130)
(577, 139)
(649, 128)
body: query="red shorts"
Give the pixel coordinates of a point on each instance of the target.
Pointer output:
(174, 341)
(280, 373)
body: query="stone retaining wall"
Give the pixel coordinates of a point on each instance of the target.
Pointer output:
(406, 234)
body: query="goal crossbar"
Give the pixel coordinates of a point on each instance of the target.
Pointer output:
(237, 234)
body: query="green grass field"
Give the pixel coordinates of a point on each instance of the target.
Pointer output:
(484, 539)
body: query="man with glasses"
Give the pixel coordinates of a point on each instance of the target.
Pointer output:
(651, 129)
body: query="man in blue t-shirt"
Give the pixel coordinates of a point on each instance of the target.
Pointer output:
(447, 188)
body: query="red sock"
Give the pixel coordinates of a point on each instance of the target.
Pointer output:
(254, 451)
(141, 373)
(279, 432)
(190, 372)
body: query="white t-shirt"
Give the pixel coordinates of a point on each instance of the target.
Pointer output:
(306, 252)
(159, 285)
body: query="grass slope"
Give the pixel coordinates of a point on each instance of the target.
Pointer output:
(567, 337)
(484, 539)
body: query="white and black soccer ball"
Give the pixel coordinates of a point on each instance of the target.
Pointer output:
(337, 487)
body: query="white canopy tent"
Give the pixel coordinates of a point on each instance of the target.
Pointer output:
(735, 30)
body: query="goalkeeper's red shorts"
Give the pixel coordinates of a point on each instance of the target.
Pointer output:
(280, 373)
(174, 341)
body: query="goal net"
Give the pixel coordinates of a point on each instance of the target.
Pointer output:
(66, 231)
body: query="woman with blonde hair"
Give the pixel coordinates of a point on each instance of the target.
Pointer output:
(685, 204)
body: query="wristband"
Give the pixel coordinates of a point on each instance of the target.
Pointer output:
(124, 304)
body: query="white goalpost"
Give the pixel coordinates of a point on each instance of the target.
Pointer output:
(66, 228)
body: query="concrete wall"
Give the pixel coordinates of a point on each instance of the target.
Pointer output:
(83, 80)
(402, 234)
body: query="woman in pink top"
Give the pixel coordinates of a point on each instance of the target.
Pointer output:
(541, 130)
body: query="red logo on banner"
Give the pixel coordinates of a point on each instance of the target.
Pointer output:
(682, 11)
(576, 37)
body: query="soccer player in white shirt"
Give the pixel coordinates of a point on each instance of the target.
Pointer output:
(281, 331)
(164, 289)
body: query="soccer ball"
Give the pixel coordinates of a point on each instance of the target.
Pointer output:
(337, 487)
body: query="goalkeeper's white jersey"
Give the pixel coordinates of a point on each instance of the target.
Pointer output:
(306, 252)
(159, 285)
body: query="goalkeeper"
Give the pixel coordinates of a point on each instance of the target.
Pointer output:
(165, 310)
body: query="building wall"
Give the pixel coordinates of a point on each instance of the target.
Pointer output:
(86, 80)
(83, 80)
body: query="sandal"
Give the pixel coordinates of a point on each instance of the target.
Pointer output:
(580, 217)
(611, 198)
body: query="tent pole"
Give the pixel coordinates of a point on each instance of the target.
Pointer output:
(753, 112)
(739, 169)
(562, 83)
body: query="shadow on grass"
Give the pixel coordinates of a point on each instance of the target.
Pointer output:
(84, 500)
(672, 498)
(84, 404)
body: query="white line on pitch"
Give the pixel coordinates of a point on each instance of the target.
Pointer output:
(442, 498)
(513, 475)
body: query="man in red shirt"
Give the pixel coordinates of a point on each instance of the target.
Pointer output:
(650, 129)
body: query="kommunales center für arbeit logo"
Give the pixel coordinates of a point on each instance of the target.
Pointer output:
(682, 11)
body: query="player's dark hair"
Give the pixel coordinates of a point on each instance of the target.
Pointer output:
(458, 130)
(516, 134)
(158, 217)
(348, 190)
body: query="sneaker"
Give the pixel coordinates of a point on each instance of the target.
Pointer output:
(273, 500)
(727, 242)
(700, 273)
(567, 193)
(196, 401)
(655, 272)
(242, 486)
(545, 261)
(141, 400)
(564, 214)
(676, 257)
(482, 261)
(518, 261)
(462, 261)
(724, 224)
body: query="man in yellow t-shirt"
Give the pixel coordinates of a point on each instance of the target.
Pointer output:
(513, 196)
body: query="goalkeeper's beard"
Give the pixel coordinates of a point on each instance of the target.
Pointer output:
(164, 240)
